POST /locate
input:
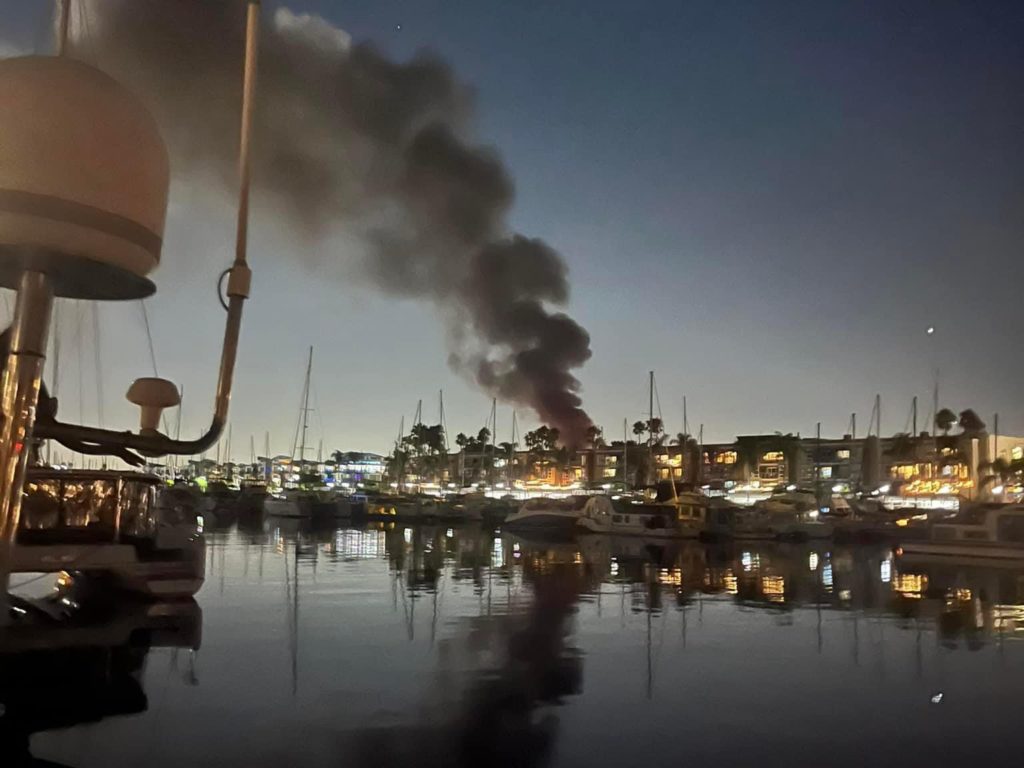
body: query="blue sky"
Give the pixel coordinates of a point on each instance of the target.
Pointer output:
(766, 203)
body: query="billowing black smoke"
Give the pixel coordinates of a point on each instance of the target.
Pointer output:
(349, 141)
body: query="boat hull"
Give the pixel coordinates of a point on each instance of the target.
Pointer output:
(933, 550)
(541, 521)
(284, 508)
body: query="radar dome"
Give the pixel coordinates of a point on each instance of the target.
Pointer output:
(83, 180)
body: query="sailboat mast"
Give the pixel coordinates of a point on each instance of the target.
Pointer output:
(625, 455)
(494, 428)
(512, 453)
(398, 448)
(650, 411)
(266, 457)
(305, 411)
(700, 452)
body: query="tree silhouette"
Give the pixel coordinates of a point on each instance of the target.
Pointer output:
(944, 420)
(970, 423)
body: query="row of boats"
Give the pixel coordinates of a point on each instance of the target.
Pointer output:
(981, 531)
(790, 513)
(144, 537)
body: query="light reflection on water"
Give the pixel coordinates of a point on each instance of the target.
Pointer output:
(439, 646)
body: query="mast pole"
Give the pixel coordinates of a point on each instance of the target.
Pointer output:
(19, 396)
(625, 456)
(700, 452)
(914, 408)
(305, 412)
(494, 428)
(63, 22)
(650, 411)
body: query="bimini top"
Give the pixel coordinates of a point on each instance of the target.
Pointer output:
(83, 180)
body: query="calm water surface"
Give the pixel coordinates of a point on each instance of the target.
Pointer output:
(438, 646)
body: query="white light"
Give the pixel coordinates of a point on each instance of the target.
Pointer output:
(998, 490)
(407, 535)
(837, 489)
(813, 514)
(937, 698)
(885, 488)
(790, 487)
(812, 561)
(931, 330)
(885, 570)
(449, 533)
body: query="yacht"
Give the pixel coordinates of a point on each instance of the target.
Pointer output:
(114, 525)
(986, 531)
(555, 515)
(789, 498)
(661, 521)
(727, 522)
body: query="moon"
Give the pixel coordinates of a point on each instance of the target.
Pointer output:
(931, 330)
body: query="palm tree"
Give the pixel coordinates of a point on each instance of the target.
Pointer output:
(639, 428)
(944, 420)
(970, 423)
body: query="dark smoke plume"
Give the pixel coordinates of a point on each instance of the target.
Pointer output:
(348, 141)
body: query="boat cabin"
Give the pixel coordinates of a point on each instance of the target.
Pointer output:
(984, 524)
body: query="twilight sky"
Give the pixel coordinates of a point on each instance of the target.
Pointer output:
(766, 203)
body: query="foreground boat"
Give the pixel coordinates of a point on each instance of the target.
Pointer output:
(111, 525)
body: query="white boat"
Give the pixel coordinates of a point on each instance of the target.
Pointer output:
(788, 498)
(989, 532)
(548, 515)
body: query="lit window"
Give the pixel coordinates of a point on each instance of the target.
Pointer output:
(843, 453)
(726, 457)
(826, 472)
(1017, 452)
(773, 456)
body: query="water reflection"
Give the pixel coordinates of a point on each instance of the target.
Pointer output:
(87, 671)
(440, 645)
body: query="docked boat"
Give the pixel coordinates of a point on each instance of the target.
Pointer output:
(553, 515)
(111, 525)
(788, 498)
(729, 522)
(658, 521)
(289, 503)
(983, 532)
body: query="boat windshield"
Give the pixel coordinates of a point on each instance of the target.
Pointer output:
(81, 507)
